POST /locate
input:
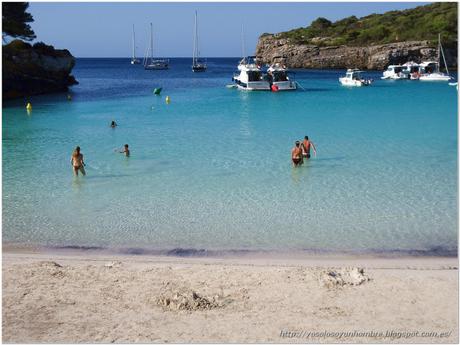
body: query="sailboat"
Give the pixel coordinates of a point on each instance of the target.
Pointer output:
(134, 60)
(198, 65)
(154, 63)
(430, 69)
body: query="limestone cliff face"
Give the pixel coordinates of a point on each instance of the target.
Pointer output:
(376, 57)
(31, 70)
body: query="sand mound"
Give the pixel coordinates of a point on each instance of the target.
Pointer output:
(190, 300)
(351, 276)
(48, 264)
(50, 267)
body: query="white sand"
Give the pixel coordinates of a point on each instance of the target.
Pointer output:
(93, 298)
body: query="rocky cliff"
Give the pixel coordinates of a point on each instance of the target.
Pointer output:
(32, 70)
(370, 57)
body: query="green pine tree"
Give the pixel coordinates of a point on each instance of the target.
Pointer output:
(15, 19)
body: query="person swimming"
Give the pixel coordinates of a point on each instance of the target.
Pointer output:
(125, 150)
(296, 154)
(306, 146)
(113, 124)
(77, 162)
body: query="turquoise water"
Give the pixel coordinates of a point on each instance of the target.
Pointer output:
(212, 170)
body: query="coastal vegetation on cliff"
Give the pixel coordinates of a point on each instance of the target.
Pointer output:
(30, 69)
(417, 24)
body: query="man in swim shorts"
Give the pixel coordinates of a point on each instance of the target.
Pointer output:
(306, 146)
(296, 154)
(77, 162)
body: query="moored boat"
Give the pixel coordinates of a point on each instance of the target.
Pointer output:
(354, 77)
(279, 78)
(198, 65)
(154, 63)
(430, 70)
(134, 60)
(394, 72)
(250, 76)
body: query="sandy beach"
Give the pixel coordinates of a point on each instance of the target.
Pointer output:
(49, 297)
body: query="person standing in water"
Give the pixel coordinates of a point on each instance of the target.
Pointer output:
(296, 154)
(113, 124)
(77, 162)
(125, 150)
(306, 146)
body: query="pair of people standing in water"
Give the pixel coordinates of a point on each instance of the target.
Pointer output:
(78, 164)
(301, 151)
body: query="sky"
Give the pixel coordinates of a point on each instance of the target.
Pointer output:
(91, 29)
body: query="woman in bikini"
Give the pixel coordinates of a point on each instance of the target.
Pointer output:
(296, 154)
(77, 162)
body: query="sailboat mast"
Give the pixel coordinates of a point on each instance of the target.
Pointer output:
(442, 52)
(134, 44)
(151, 41)
(195, 42)
(197, 54)
(439, 51)
(242, 42)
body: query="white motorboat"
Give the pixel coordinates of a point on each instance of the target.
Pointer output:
(354, 77)
(277, 75)
(395, 72)
(412, 70)
(429, 71)
(198, 65)
(250, 76)
(134, 60)
(154, 63)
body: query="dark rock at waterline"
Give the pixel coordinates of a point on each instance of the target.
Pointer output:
(376, 57)
(33, 70)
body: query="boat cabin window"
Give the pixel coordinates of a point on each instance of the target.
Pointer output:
(355, 76)
(398, 69)
(254, 75)
(280, 76)
(430, 68)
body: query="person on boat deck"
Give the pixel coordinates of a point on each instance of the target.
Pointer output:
(125, 150)
(77, 162)
(306, 146)
(296, 154)
(113, 124)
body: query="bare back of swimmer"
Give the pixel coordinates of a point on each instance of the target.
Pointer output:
(307, 144)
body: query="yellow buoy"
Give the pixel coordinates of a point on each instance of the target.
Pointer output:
(29, 106)
(168, 100)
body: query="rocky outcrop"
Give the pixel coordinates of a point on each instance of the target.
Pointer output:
(376, 57)
(38, 69)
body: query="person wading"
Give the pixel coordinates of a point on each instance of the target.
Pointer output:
(77, 162)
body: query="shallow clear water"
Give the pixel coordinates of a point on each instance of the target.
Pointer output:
(212, 169)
